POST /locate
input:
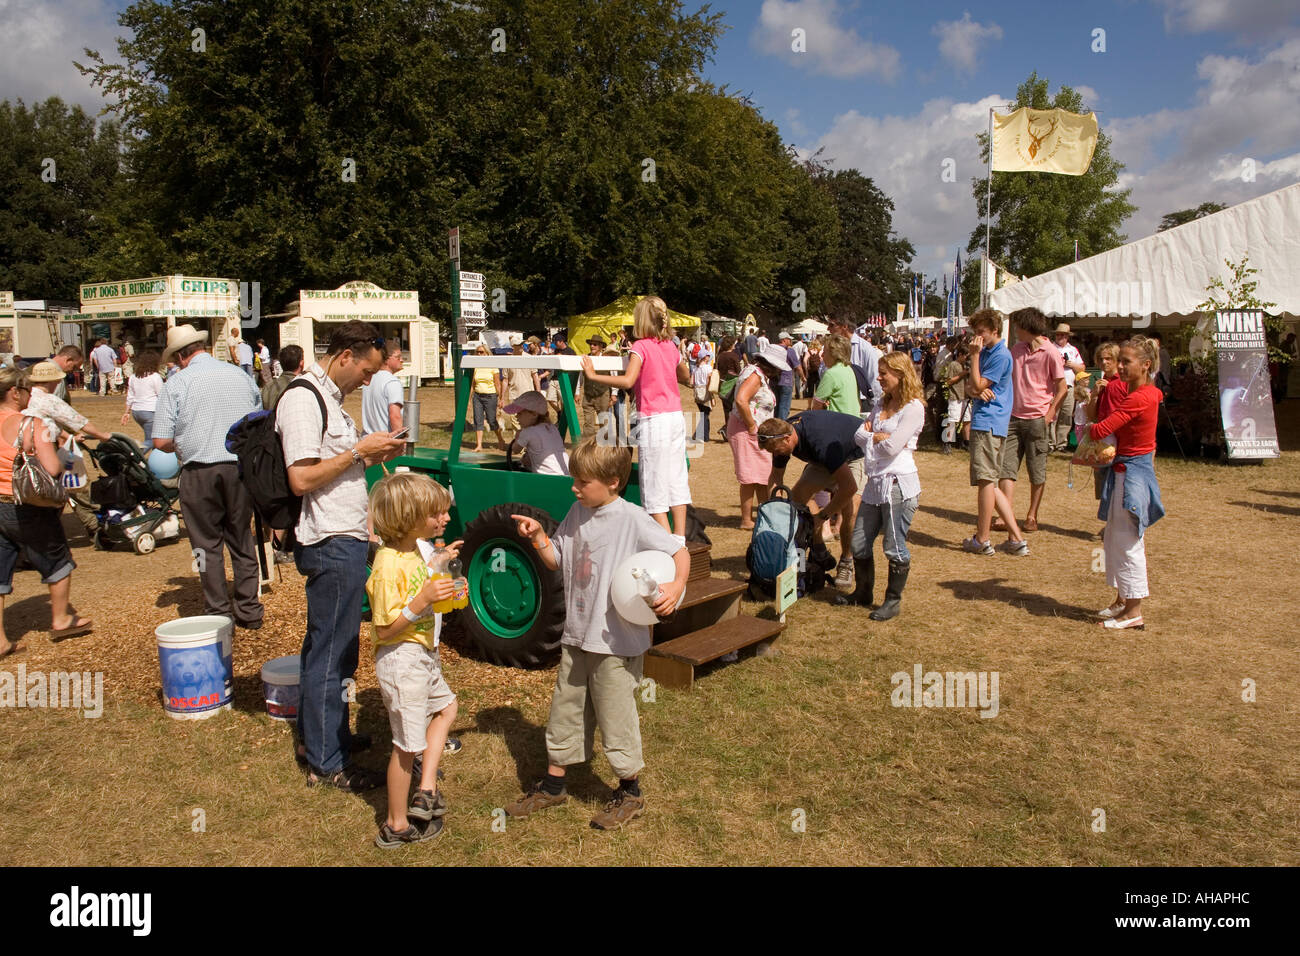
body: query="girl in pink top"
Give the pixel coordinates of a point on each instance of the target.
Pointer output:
(654, 368)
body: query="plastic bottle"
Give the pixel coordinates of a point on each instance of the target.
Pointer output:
(438, 571)
(646, 586)
(461, 598)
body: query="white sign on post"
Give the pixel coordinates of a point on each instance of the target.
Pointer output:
(473, 295)
(472, 310)
(453, 244)
(471, 277)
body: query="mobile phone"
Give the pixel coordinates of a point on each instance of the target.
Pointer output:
(401, 436)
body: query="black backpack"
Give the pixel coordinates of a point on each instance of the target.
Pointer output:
(262, 469)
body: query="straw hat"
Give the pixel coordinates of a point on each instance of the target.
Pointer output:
(180, 336)
(1063, 329)
(45, 372)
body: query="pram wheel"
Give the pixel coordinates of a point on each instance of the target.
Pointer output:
(144, 543)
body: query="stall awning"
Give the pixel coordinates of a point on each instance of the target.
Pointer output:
(608, 320)
(1166, 274)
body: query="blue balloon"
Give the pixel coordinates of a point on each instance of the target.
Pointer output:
(164, 464)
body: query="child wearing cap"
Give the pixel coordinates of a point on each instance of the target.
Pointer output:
(539, 442)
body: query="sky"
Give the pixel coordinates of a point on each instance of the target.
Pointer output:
(1189, 90)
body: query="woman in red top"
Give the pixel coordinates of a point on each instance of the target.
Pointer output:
(1130, 495)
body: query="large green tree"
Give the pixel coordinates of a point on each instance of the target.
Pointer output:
(1183, 216)
(1037, 217)
(57, 169)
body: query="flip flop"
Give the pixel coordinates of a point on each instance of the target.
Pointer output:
(17, 647)
(84, 626)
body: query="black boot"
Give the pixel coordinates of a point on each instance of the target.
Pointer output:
(893, 592)
(864, 576)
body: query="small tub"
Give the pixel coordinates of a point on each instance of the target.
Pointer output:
(280, 687)
(194, 659)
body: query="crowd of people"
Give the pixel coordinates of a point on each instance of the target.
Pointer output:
(868, 396)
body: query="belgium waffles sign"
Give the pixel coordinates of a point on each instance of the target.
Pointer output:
(361, 301)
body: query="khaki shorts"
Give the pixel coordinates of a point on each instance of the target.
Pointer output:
(596, 690)
(985, 456)
(411, 683)
(823, 480)
(1027, 442)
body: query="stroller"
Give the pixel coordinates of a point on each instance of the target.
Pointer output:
(136, 507)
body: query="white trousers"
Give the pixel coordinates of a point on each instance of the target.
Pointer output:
(1124, 550)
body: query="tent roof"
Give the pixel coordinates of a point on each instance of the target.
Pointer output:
(1167, 273)
(609, 319)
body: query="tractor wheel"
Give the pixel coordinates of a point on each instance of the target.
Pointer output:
(516, 604)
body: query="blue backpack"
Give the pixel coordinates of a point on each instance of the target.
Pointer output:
(784, 535)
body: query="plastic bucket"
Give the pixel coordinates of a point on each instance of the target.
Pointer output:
(280, 687)
(194, 659)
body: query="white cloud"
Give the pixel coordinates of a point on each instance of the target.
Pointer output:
(1252, 18)
(904, 155)
(960, 40)
(1090, 96)
(829, 47)
(42, 39)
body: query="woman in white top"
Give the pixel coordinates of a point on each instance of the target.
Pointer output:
(142, 391)
(887, 438)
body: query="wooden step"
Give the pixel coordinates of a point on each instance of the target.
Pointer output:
(706, 602)
(673, 663)
(701, 560)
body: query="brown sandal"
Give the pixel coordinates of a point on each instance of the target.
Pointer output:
(78, 628)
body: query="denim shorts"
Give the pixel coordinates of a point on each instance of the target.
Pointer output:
(38, 534)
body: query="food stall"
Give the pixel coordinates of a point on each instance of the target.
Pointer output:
(396, 314)
(142, 310)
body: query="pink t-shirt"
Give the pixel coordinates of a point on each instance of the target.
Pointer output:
(656, 387)
(1033, 375)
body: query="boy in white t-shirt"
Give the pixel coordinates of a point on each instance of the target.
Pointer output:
(539, 442)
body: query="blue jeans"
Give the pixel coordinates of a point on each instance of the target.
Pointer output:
(336, 579)
(783, 395)
(702, 425)
(145, 421)
(895, 519)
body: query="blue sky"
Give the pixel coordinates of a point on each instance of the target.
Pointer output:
(1189, 90)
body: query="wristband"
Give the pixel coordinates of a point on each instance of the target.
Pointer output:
(543, 546)
(356, 458)
(407, 613)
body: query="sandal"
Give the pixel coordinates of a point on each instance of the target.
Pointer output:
(427, 804)
(349, 779)
(17, 647)
(390, 839)
(79, 627)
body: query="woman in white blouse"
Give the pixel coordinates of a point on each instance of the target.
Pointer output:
(887, 438)
(142, 391)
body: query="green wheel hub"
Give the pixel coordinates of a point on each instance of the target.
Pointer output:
(504, 591)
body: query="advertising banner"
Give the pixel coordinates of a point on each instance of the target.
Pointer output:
(1245, 401)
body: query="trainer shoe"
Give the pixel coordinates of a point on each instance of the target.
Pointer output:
(427, 804)
(623, 808)
(975, 546)
(1017, 548)
(390, 839)
(534, 800)
(844, 572)
(452, 746)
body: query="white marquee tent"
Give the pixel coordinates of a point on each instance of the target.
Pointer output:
(1165, 275)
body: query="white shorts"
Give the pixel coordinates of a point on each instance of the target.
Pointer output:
(411, 683)
(661, 447)
(955, 410)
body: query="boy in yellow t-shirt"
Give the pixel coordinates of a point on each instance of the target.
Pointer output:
(421, 708)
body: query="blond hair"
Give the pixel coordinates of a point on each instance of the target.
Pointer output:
(11, 378)
(1147, 350)
(1106, 348)
(401, 503)
(592, 461)
(836, 351)
(650, 319)
(909, 385)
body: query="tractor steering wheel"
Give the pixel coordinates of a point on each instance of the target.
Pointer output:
(511, 464)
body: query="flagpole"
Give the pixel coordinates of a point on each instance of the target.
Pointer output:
(988, 221)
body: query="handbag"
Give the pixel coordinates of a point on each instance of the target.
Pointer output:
(32, 484)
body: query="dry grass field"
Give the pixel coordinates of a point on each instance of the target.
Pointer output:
(1149, 727)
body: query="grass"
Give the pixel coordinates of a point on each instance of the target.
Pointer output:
(1149, 727)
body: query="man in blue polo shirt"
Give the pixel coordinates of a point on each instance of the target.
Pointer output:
(990, 384)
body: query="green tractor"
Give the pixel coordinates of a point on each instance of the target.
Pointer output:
(516, 604)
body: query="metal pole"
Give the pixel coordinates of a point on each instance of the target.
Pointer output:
(988, 223)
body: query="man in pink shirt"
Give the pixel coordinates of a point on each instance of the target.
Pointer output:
(1038, 378)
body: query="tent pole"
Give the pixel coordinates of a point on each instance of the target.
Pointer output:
(988, 221)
